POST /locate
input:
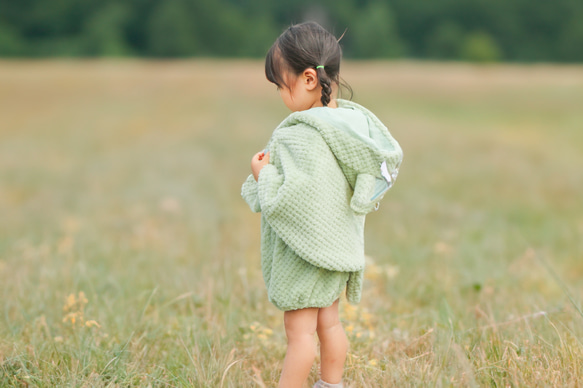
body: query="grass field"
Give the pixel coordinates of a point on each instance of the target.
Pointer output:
(128, 258)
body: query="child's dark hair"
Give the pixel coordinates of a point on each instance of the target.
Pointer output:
(303, 46)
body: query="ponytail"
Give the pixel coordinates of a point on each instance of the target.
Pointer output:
(326, 85)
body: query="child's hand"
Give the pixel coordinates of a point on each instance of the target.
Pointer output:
(259, 160)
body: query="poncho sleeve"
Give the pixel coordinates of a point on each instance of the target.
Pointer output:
(249, 194)
(303, 196)
(363, 190)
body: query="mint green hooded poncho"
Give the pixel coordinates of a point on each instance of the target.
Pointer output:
(324, 165)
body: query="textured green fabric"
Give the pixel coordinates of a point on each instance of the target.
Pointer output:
(313, 196)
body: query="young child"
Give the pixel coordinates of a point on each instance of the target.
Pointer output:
(325, 167)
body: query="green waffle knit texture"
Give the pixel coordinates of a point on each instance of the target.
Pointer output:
(313, 197)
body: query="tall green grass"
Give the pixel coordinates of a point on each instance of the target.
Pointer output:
(127, 257)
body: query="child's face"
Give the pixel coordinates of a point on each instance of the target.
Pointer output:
(302, 91)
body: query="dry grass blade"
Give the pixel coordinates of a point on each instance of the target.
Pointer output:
(230, 363)
(555, 277)
(257, 377)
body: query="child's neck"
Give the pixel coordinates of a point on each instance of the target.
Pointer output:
(331, 104)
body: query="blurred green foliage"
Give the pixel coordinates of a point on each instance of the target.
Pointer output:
(474, 30)
(479, 47)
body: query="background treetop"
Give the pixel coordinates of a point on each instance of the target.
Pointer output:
(473, 30)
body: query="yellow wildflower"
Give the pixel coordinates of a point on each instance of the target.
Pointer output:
(70, 302)
(70, 317)
(392, 271)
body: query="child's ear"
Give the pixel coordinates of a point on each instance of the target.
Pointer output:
(311, 79)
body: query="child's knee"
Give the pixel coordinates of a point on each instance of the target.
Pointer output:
(328, 317)
(300, 322)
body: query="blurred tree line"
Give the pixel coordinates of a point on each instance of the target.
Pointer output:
(474, 30)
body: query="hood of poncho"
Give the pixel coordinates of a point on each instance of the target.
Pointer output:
(357, 138)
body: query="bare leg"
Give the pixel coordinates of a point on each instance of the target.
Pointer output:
(333, 344)
(300, 327)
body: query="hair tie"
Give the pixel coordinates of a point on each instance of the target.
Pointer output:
(320, 67)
